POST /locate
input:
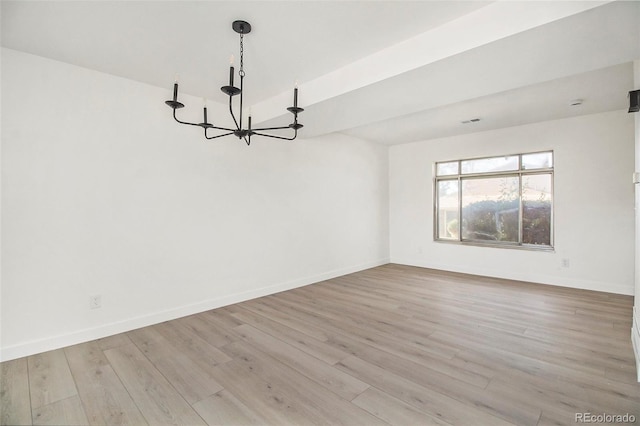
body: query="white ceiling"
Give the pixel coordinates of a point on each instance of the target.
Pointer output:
(387, 71)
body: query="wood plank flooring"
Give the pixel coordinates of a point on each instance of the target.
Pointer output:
(390, 345)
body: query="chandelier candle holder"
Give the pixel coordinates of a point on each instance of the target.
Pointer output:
(242, 28)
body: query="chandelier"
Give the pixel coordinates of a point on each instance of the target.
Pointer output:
(242, 28)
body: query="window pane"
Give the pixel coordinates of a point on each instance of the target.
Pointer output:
(490, 209)
(448, 207)
(446, 169)
(486, 165)
(536, 209)
(540, 160)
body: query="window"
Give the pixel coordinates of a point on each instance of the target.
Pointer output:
(501, 201)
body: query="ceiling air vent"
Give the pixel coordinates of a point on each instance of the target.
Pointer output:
(473, 120)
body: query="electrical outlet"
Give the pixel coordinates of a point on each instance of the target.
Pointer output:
(565, 263)
(95, 302)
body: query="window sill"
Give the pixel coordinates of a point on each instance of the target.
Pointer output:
(527, 247)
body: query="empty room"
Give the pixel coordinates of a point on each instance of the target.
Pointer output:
(320, 212)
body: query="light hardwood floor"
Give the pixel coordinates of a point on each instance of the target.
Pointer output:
(390, 345)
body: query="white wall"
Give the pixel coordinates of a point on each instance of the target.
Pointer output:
(594, 203)
(636, 118)
(635, 330)
(103, 194)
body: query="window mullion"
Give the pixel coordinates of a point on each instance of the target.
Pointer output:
(520, 212)
(459, 208)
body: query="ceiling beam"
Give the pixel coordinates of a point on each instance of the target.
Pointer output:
(498, 20)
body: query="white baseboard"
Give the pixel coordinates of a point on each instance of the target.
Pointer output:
(85, 335)
(555, 280)
(635, 338)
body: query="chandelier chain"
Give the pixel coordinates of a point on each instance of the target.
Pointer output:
(241, 72)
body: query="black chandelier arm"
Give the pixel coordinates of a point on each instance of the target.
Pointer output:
(241, 87)
(277, 137)
(271, 128)
(210, 126)
(217, 136)
(183, 122)
(232, 114)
